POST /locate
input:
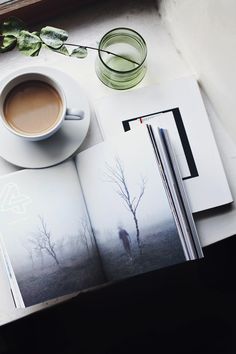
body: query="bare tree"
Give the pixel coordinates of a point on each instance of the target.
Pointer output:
(86, 234)
(116, 175)
(43, 243)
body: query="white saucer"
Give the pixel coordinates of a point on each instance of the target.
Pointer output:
(63, 144)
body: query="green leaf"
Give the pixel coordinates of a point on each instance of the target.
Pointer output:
(35, 54)
(7, 43)
(28, 43)
(63, 50)
(53, 37)
(80, 52)
(12, 27)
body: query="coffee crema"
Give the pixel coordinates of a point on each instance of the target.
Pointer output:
(32, 107)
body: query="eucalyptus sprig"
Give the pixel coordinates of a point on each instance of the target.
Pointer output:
(14, 33)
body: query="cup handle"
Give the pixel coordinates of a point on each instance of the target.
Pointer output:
(74, 114)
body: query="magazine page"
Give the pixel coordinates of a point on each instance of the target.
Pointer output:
(46, 236)
(178, 107)
(129, 211)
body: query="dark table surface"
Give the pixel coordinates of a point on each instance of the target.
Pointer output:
(189, 308)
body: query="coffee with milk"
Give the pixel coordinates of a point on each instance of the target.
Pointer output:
(32, 107)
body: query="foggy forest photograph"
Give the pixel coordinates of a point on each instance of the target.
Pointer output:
(129, 211)
(50, 243)
(77, 225)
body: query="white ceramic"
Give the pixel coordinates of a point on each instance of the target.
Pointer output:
(65, 112)
(63, 143)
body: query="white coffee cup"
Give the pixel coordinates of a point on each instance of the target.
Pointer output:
(66, 113)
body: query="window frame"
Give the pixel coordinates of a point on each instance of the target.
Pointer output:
(35, 11)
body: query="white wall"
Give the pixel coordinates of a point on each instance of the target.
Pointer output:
(205, 33)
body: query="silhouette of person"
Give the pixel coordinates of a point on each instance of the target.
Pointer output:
(125, 238)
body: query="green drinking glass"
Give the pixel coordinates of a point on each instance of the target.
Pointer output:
(127, 67)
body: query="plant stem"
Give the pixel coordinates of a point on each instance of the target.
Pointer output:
(104, 51)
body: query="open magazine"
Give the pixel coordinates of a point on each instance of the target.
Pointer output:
(117, 210)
